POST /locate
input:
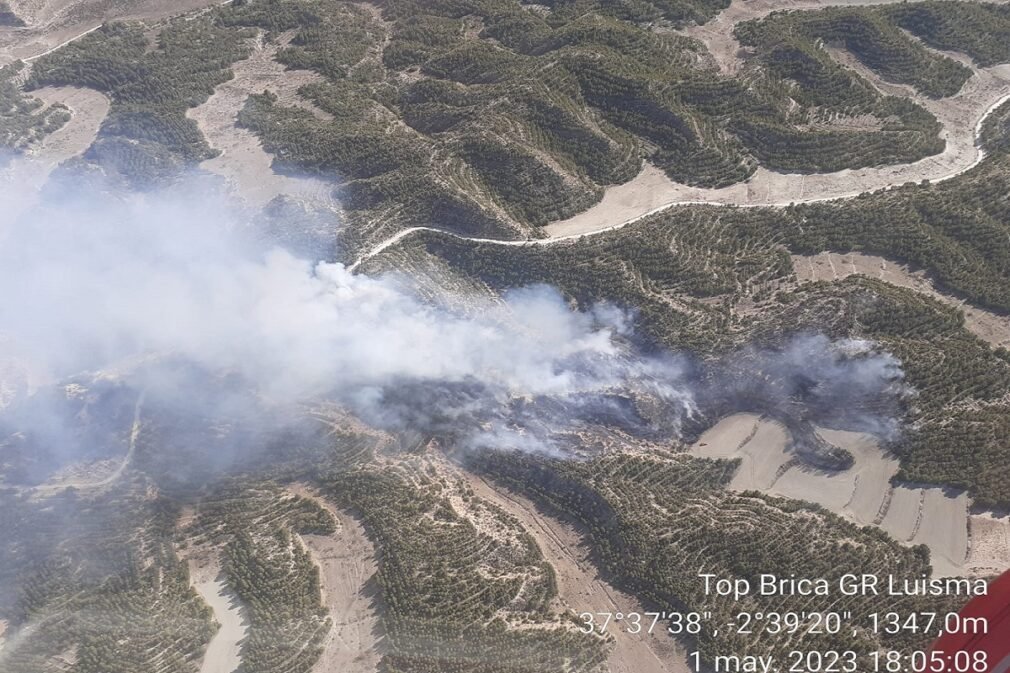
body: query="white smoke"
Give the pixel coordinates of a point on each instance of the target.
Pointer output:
(96, 281)
(92, 282)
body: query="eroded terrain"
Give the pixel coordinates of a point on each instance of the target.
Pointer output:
(960, 543)
(347, 565)
(242, 160)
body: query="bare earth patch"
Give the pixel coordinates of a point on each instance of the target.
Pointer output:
(581, 589)
(243, 162)
(989, 544)
(986, 325)
(22, 177)
(222, 655)
(88, 109)
(912, 514)
(347, 563)
(52, 23)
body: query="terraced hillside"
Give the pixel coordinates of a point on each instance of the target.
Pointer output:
(495, 118)
(25, 120)
(654, 518)
(472, 150)
(459, 582)
(711, 279)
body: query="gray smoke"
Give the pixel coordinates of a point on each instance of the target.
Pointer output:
(147, 289)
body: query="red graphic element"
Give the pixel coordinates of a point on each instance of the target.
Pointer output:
(995, 607)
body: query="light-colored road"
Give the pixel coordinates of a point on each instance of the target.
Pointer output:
(44, 490)
(39, 55)
(652, 192)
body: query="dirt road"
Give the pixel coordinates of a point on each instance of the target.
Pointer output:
(47, 489)
(222, 655)
(961, 116)
(581, 589)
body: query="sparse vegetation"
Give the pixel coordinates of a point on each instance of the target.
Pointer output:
(790, 45)
(709, 279)
(463, 586)
(23, 119)
(658, 520)
(147, 138)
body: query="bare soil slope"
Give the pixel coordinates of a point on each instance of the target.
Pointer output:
(222, 655)
(581, 589)
(347, 564)
(959, 543)
(243, 162)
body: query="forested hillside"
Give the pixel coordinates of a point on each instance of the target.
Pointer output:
(490, 117)
(479, 122)
(653, 518)
(146, 139)
(24, 120)
(708, 279)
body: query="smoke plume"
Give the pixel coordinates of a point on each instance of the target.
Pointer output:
(99, 282)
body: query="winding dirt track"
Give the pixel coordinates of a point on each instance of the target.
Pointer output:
(961, 116)
(44, 490)
(651, 191)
